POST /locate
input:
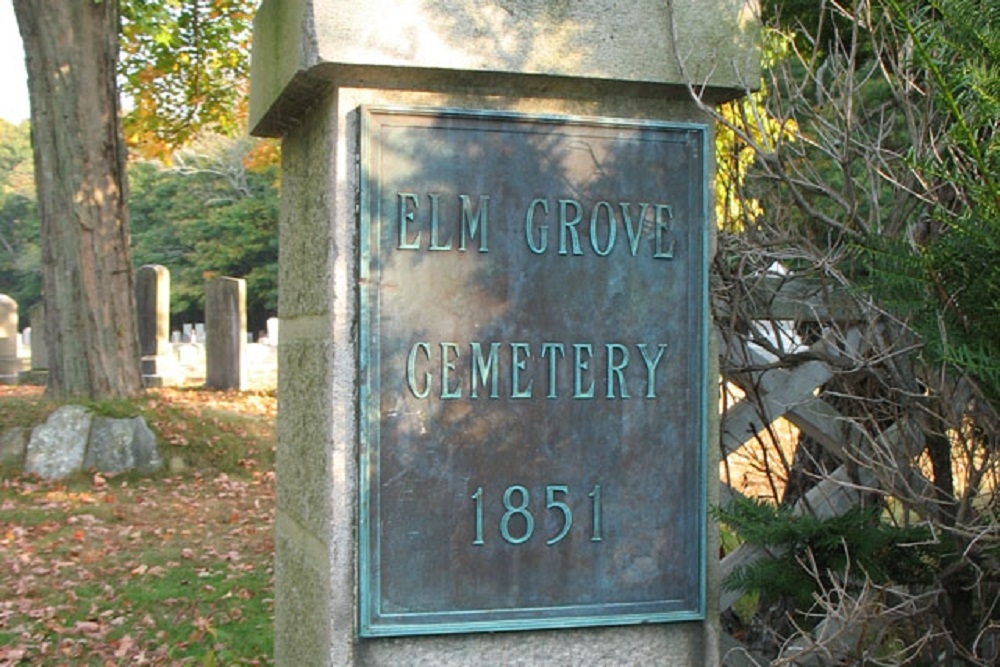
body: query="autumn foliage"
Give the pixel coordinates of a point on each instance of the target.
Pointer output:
(185, 69)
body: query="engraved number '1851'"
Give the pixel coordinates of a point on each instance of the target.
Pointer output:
(517, 523)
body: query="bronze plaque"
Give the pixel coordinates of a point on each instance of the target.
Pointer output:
(533, 356)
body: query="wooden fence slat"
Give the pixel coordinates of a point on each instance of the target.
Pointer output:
(774, 392)
(777, 392)
(881, 463)
(823, 423)
(809, 413)
(794, 298)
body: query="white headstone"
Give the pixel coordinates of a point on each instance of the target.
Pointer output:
(272, 331)
(10, 365)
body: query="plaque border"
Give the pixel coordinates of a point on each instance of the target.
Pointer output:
(372, 623)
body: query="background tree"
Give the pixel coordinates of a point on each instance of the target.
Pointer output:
(20, 253)
(185, 69)
(72, 56)
(213, 212)
(179, 75)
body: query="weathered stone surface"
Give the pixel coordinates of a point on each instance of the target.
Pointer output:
(176, 466)
(300, 46)
(57, 447)
(117, 445)
(13, 443)
(73, 439)
(152, 299)
(226, 330)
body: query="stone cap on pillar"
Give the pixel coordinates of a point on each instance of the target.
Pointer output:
(302, 46)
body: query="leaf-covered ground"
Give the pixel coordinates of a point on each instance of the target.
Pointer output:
(122, 570)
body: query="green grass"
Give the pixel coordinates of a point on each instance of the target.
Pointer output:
(172, 569)
(194, 610)
(24, 412)
(213, 439)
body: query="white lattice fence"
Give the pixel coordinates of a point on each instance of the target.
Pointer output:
(788, 387)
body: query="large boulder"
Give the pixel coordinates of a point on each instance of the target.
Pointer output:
(74, 439)
(57, 447)
(117, 445)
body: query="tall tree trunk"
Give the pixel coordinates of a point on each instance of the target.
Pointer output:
(71, 52)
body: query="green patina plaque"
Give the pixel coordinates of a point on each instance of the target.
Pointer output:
(533, 354)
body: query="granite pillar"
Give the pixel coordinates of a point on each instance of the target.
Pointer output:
(331, 78)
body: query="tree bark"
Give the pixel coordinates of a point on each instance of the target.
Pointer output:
(71, 53)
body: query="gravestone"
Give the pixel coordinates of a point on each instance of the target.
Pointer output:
(225, 333)
(495, 376)
(152, 300)
(39, 352)
(10, 365)
(272, 331)
(39, 371)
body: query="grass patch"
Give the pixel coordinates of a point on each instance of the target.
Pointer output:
(175, 569)
(214, 610)
(114, 409)
(24, 411)
(211, 437)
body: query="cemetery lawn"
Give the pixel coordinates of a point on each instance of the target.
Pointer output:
(175, 569)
